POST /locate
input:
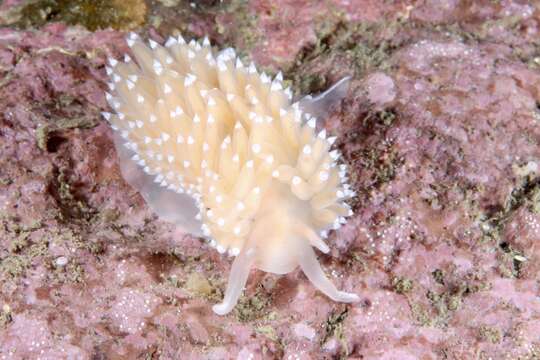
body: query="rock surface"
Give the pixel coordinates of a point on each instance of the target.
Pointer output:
(441, 131)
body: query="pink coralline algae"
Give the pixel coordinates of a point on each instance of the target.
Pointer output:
(440, 132)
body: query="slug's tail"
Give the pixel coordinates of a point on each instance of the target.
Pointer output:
(320, 105)
(179, 209)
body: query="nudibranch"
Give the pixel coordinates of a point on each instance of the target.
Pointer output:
(221, 150)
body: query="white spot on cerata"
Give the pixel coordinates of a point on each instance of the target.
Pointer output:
(222, 122)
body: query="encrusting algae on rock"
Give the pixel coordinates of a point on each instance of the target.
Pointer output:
(220, 150)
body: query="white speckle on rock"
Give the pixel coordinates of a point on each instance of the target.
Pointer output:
(380, 88)
(304, 331)
(245, 354)
(330, 345)
(61, 261)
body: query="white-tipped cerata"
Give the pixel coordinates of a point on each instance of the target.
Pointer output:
(225, 154)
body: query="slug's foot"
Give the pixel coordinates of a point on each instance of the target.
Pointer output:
(312, 269)
(237, 281)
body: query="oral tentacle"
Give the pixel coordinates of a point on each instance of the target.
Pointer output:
(237, 281)
(313, 271)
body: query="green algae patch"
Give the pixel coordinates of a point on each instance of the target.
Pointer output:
(438, 307)
(333, 328)
(491, 334)
(421, 314)
(233, 23)
(72, 272)
(5, 316)
(267, 331)
(60, 114)
(383, 162)
(245, 32)
(402, 285)
(253, 307)
(510, 260)
(199, 285)
(92, 14)
(438, 276)
(526, 193)
(15, 265)
(22, 251)
(356, 46)
(534, 203)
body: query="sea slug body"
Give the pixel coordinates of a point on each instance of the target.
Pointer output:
(220, 150)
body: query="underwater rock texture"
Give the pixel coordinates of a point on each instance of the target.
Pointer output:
(440, 129)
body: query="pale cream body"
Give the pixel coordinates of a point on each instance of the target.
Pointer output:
(223, 153)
